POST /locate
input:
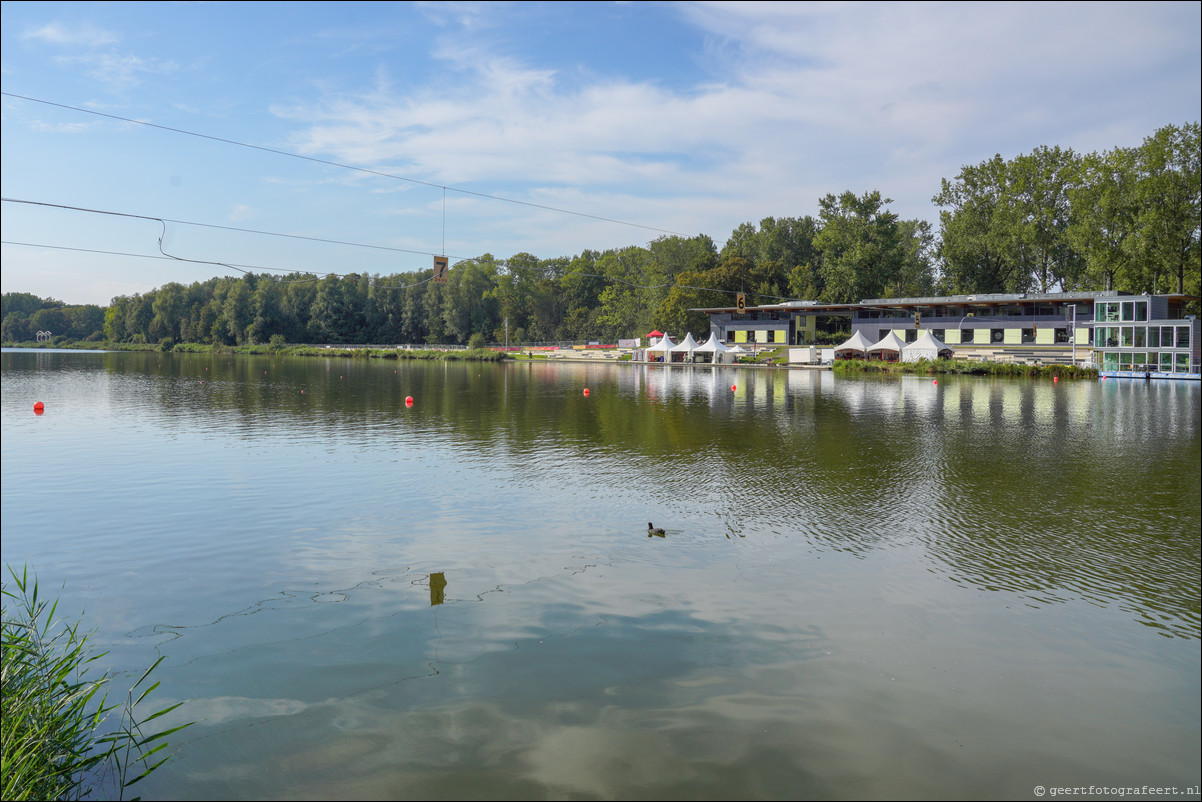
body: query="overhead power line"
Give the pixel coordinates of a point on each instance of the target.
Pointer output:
(339, 165)
(242, 268)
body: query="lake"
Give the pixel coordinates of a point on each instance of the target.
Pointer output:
(867, 588)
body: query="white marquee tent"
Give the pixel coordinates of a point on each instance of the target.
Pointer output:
(890, 344)
(716, 349)
(659, 351)
(926, 347)
(856, 347)
(687, 346)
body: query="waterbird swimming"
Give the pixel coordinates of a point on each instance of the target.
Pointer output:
(652, 529)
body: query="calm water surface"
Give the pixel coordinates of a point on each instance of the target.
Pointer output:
(869, 588)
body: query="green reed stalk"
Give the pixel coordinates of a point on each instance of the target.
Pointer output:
(54, 708)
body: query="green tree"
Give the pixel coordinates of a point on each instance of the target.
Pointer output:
(469, 300)
(16, 328)
(168, 308)
(867, 251)
(1039, 188)
(974, 231)
(1103, 228)
(1170, 215)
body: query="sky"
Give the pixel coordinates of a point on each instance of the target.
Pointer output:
(151, 142)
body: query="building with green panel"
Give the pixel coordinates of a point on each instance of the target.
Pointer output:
(1084, 328)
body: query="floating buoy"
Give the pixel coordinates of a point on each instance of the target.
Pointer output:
(408, 400)
(1055, 378)
(302, 392)
(586, 391)
(935, 381)
(734, 387)
(38, 408)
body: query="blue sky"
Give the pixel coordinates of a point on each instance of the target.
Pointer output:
(611, 123)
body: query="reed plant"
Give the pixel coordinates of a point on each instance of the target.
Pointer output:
(965, 367)
(58, 742)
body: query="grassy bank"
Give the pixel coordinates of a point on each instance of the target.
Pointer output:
(57, 739)
(353, 352)
(965, 367)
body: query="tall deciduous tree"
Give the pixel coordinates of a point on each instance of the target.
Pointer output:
(1040, 213)
(1105, 208)
(1170, 214)
(868, 252)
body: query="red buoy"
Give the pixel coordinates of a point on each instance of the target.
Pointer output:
(934, 381)
(408, 400)
(39, 408)
(586, 391)
(734, 387)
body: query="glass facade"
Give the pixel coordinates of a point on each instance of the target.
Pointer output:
(1126, 338)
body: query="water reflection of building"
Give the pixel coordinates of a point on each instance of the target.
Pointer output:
(1114, 331)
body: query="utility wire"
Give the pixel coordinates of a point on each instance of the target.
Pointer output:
(220, 227)
(542, 271)
(339, 165)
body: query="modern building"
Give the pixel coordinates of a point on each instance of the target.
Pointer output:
(1146, 335)
(1040, 328)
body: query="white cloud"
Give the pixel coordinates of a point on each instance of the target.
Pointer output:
(84, 35)
(116, 70)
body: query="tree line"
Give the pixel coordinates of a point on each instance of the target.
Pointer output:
(1127, 219)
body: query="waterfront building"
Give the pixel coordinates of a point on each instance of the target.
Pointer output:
(1085, 328)
(1146, 335)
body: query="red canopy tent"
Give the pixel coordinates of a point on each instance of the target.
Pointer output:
(656, 333)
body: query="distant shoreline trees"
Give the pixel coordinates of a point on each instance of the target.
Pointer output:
(1128, 219)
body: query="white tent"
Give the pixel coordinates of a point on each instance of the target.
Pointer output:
(715, 348)
(925, 347)
(890, 343)
(856, 347)
(737, 351)
(687, 346)
(659, 351)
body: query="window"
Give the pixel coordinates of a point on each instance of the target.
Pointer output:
(1061, 335)
(1141, 337)
(1128, 311)
(1126, 337)
(1182, 336)
(997, 336)
(1028, 336)
(1141, 310)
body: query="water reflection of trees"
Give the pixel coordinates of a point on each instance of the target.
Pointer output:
(1052, 491)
